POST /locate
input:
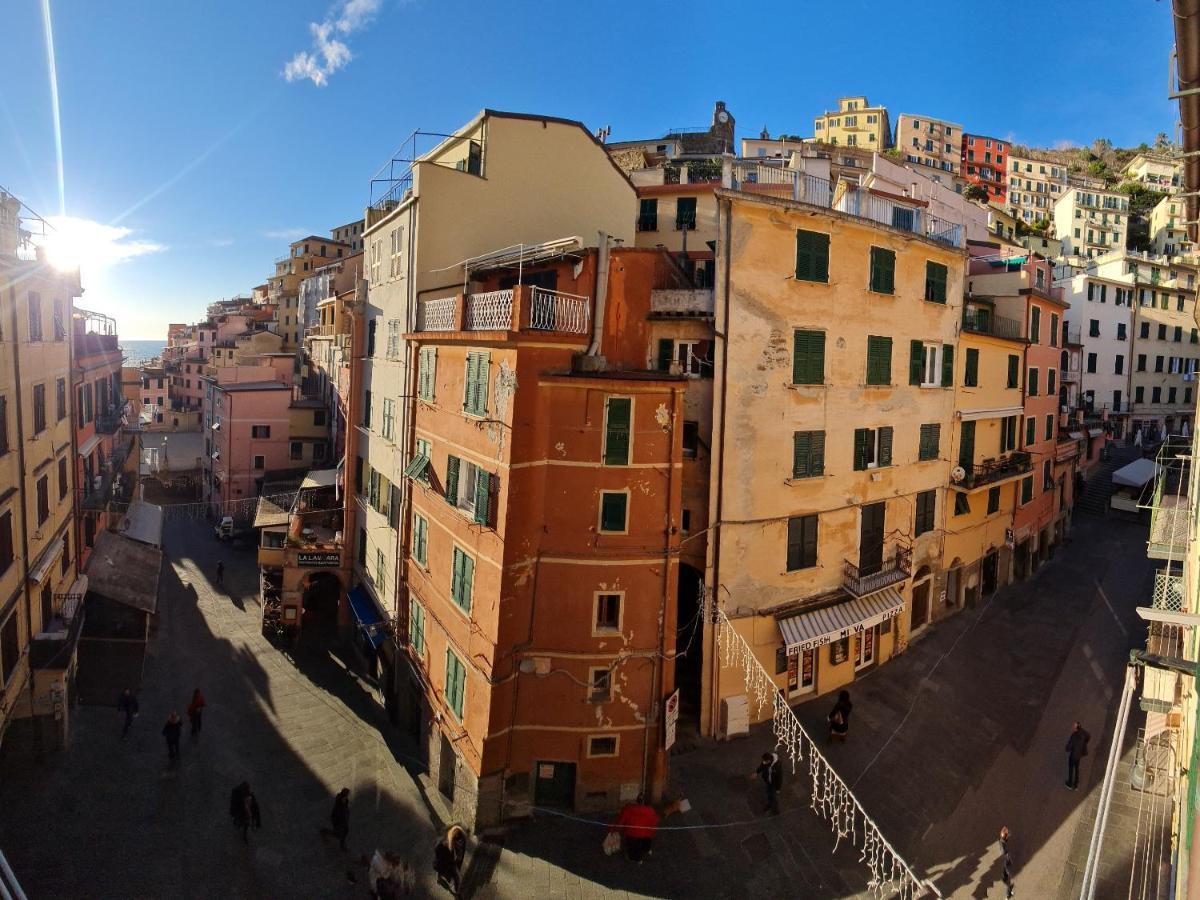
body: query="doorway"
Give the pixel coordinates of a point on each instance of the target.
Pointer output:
(870, 539)
(320, 600)
(802, 673)
(689, 639)
(864, 648)
(1021, 561)
(991, 568)
(554, 784)
(447, 769)
(919, 617)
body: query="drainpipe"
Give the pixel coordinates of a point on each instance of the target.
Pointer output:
(601, 295)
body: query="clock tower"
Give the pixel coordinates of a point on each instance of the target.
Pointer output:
(722, 127)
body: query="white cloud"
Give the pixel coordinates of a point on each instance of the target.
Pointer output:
(93, 246)
(221, 242)
(329, 54)
(286, 234)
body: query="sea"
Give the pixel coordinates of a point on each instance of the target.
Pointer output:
(137, 352)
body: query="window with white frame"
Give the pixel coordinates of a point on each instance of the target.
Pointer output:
(376, 254)
(931, 365)
(397, 242)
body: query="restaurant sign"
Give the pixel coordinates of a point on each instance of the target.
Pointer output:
(318, 559)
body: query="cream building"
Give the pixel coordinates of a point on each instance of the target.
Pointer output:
(1091, 223)
(1166, 227)
(1161, 173)
(1034, 186)
(934, 144)
(855, 123)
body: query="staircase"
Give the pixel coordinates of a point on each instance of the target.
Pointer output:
(1099, 486)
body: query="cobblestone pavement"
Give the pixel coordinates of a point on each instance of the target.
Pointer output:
(961, 734)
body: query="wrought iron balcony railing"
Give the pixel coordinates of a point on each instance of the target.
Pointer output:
(989, 471)
(862, 581)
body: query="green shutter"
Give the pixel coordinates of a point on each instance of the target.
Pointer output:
(467, 582)
(883, 270)
(947, 366)
(812, 256)
(809, 540)
(666, 353)
(861, 439)
(808, 454)
(935, 282)
(962, 506)
(475, 398)
(452, 480)
(971, 369)
(456, 575)
(616, 431)
(931, 439)
(808, 357)
(613, 511)
(966, 446)
(885, 446)
(916, 362)
(1014, 371)
(879, 360)
(483, 495)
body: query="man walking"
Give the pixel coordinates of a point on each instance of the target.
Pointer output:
(195, 711)
(128, 705)
(243, 807)
(1006, 857)
(771, 773)
(1077, 748)
(171, 732)
(220, 573)
(339, 818)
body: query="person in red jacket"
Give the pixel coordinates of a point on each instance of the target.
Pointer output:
(637, 824)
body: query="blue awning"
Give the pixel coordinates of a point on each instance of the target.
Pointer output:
(370, 620)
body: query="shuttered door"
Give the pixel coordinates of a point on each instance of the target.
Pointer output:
(947, 366)
(916, 362)
(885, 446)
(879, 360)
(966, 446)
(616, 431)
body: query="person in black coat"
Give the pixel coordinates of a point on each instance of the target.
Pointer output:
(770, 770)
(339, 817)
(243, 807)
(448, 858)
(127, 705)
(171, 732)
(1077, 748)
(839, 718)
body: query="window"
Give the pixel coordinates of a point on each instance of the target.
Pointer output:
(10, 649)
(648, 215)
(971, 368)
(393, 339)
(962, 506)
(602, 746)
(608, 613)
(424, 451)
(935, 282)
(60, 399)
(260, 462)
(617, 423)
(1158, 364)
(1178, 333)
(43, 500)
(929, 442)
(416, 626)
(1162, 331)
(685, 214)
(389, 418)
(1051, 375)
(260, 431)
(872, 448)
(1049, 426)
(1014, 371)
(427, 373)
(879, 360)
(1156, 395)
(812, 256)
(808, 357)
(1091, 362)
(1026, 489)
(883, 271)
(39, 408)
(380, 570)
(691, 439)
(462, 576)
(1030, 431)
(599, 685)
(1141, 362)
(614, 510)
(1119, 365)
(420, 539)
(1053, 325)
(926, 505)
(993, 500)
(475, 389)
(808, 454)
(456, 683)
(1033, 381)
(1047, 477)
(35, 317)
(1139, 394)
(802, 542)
(1120, 331)
(372, 327)
(1144, 333)
(1035, 325)
(1171, 394)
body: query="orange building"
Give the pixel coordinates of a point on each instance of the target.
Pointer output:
(983, 162)
(540, 570)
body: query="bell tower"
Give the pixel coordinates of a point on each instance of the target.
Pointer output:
(722, 126)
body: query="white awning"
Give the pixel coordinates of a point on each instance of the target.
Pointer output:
(86, 448)
(998, 412)
(320, 478)
(74, 599)
(49, 555)
(1095, 432)
(807, 630)
(1136, 473)
(1075, 435)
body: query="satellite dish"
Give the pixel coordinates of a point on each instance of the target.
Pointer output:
(957, 474)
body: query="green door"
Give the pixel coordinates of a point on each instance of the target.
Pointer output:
(554, 784)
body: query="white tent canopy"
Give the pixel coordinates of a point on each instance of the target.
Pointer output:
(1136, 474)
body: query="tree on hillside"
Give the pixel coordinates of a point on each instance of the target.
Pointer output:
(1162, 143)
(976, 192)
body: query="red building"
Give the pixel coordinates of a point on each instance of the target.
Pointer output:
(983, 162)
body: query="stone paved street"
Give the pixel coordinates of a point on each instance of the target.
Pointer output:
(960, 735)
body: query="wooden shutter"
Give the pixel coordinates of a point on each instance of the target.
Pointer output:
(1014, 371)
(947, 366)
(808, 454)
(971, 371)
(935, 282)
(879, 360)
(808, 549)
(861, 437)
(483, 497)
(808, 357)
(883, 270)
(812, 256)
(930, 441)
(666, 354)
(616, 431)
(467, 581)
(452, 480)
(493, 499)
(456, 576)
(916, 362)
(966, 446)
(885, 446)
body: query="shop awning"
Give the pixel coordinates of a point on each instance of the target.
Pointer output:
(807, 630)
(367, 615)
(1095, 432)
(50, 554)
(1075, 435)
(1136, 474)
(320, 478)
(86, 448)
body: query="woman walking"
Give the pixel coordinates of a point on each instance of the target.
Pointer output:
(195, 711)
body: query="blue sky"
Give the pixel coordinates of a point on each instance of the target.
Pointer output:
(196, 158)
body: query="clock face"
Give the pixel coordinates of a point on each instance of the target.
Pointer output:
(722, 117)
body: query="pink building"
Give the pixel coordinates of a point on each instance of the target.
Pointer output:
(156, 392)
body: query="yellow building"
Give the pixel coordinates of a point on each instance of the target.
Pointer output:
(983, 447)
(834, 398)
(855, 123)
(40, 605)
(1167, 230)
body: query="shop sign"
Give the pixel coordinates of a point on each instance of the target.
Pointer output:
(318, 559)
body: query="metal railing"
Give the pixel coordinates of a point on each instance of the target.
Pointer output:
(989, 471)
(1168, 591)
(557, 311)
(437, 315)
(490, 311)
(108, 422)
(980, 321)
(860, 582)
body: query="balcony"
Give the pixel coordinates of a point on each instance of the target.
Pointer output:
(861, 582)
(320, 331)
(984, 321)
(522, 308)
(1168, 592)
(109, 422)
(681, 302)
(992, 471)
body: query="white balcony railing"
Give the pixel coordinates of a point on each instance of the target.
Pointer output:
(437, 315)
(490, 311)
(1168, 592)
(556, 311)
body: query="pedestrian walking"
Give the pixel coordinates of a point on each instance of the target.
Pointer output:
(389, 875)
(195, 711)
(220, 573)
(448, 858)
(127, 705)
(770, 770)
(637, 824)
(839, 718)
(339, 818)
(171, 732)
(243, 808)
(1006, 858)
(1077, 748)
